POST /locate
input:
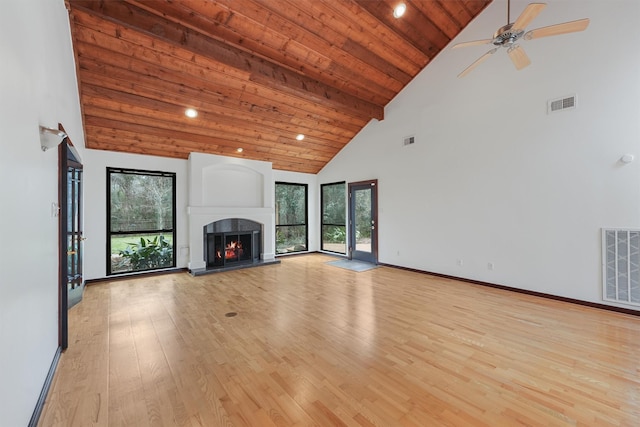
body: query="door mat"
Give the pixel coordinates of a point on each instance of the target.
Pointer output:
(353, 265)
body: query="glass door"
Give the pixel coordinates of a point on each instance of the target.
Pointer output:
(363, 216)
(74, 233)
(71, 284)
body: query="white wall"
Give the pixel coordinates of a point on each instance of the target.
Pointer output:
(95, 163)
(37, 86)
(492, 178)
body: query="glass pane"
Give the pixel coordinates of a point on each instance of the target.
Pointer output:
(363, 220)
(71, 253)
(237, 247)
(141, 202)
(291, 238)
(291, 204)
(141, 213)
(70, 199)
(334, 238)
(73, 232)
(76, 200)
(334, 207)
(334, 204)
(291, 218)
(139, 252)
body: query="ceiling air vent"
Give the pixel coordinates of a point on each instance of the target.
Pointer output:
(561, 104)
(408, 140)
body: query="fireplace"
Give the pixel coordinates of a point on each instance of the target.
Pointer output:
(230, 195)
(232, 242)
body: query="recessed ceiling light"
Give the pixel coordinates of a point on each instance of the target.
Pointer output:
(399, 10)
(300, 137)
(190, 112)
(239, 149)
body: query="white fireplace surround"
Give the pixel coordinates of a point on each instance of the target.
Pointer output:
(226, 187)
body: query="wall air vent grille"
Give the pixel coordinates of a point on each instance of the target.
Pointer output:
(408, 140)
(621, 266)
(561, 104)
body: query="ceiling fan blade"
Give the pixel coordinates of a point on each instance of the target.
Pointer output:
(471, 43)
(555, 30)
(528, 15)
(478, 62)
(518, 57)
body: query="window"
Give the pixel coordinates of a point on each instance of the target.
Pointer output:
(291, 218)
(334, 212)
(141, 216)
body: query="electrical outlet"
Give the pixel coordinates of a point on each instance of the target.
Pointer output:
(490, 266)
(459, 262)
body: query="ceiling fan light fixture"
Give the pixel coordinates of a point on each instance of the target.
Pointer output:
(509, 34)
(399, 10)
(191, 113)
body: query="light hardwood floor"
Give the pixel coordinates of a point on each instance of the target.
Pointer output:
(316, 345)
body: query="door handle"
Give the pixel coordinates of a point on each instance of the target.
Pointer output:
(71, 252)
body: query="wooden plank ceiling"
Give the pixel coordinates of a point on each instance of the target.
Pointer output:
(259, 72)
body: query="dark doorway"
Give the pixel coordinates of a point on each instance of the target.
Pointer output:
(363, 219)
(71, 283)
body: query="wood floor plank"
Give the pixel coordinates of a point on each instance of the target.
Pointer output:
(79, 393)
(316, 345)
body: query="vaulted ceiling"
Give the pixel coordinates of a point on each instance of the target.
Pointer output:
(258, 72)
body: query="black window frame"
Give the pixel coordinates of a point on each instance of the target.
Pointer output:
(323, 224)
(306, 215)
(171, 231)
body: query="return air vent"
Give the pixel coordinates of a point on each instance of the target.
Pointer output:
(409, 140)
(621, 265)
(561, 104)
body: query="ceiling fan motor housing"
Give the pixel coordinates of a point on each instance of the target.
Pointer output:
(506, 36)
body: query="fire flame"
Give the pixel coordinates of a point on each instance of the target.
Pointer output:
(232, 250)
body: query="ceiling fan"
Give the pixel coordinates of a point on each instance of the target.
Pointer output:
(508, 35)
